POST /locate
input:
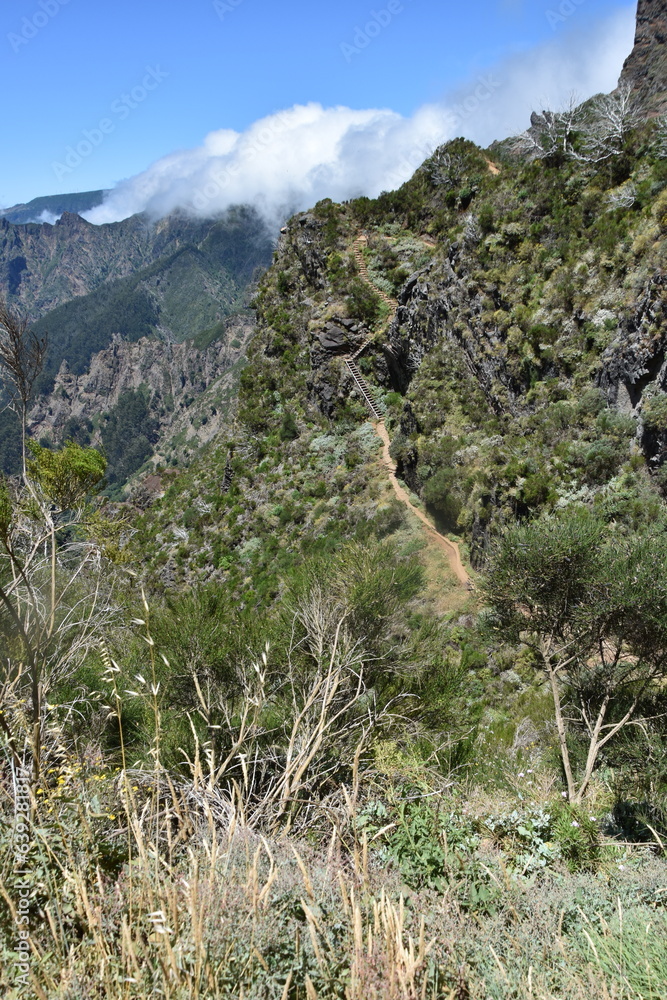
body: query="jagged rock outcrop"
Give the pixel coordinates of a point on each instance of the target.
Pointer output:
(636, 357)
(173, 376)
(437, 303)
(645, 69)
(305, 244)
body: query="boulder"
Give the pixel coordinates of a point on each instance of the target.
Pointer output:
(333, 338)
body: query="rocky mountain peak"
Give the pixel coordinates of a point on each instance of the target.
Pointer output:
(645, 69)
(72, 221)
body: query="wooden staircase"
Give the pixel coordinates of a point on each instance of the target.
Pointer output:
(358, 249)
(360, 350)
(364, 389)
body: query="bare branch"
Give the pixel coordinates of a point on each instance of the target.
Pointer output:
(591, 134)
(21, 354)
(552, 133)
(613, 118)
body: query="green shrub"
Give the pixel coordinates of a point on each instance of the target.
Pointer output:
(440, 492)
(363, 302)
(289, 429)
(486, 219)
(191, 517)
(654, 412)
(577, 836)
(526, 837)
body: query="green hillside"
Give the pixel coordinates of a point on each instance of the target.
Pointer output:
(183, 294)
(522, 371)
(364, 698)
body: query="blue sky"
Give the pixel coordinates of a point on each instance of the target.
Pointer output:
(70, 66)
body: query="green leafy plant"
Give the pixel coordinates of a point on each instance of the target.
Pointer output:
(578, 837)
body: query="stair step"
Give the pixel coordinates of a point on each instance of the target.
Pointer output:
(364, 388)
(361, 349)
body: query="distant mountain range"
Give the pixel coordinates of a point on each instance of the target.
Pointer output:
(175, 279)
(87, 287)
(53, 205)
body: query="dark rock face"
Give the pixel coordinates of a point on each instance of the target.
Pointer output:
(168, 370)
(636, 362)
(183, 382)
(636, 358)
(436, 303)
(645, 69)
(333, 338)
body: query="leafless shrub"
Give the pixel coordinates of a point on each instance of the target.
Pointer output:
(623, 197)
(613, 117)
(446, 169)
(551, 133)
(588, 133)
(280, 774)
(472, 233)
(55, 602)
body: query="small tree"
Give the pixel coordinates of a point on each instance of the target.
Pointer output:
(589, 133)
(552, 134)
(21, 360)
(592, 604)
(49, 617)
(613, 118)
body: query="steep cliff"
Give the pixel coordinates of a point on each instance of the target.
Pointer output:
(186, 391)
(645, 69)
(509, 319)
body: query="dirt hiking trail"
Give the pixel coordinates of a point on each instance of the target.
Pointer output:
(450, 549)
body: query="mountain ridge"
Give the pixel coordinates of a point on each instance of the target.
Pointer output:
(645, 69)
(174, 280)
(53, 205)
(363, 643)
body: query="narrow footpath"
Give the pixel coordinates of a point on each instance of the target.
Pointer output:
(449, 548)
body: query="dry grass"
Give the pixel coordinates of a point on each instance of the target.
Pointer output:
(201, 905)
(249, 874)
(204, 907)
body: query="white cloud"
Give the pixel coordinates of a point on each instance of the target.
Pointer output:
(47, 216)
(282, 163)
(584, 62)
(290, 160)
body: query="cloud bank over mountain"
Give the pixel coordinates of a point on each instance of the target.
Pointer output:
(289, 160)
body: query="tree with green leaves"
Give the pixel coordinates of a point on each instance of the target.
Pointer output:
(591, 602)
